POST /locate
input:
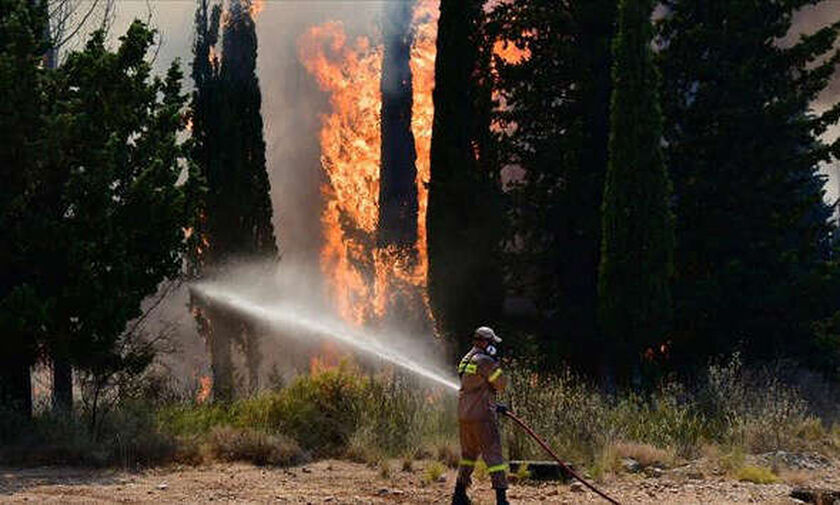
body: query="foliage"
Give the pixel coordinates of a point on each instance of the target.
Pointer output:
(744, 148)
(97, 218)
(551, 126)
(638, 239)
(22, 311)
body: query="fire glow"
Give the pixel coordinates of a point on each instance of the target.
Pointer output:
(349, 72)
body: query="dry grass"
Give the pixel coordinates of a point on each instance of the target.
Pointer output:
(795, 477)
(235, 444)
(645, 454)
(448, 452)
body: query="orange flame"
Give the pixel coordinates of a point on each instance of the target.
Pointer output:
(362, 278)
(510, 53)
(205, 387)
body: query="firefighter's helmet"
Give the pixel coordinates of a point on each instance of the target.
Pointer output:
(486, 333)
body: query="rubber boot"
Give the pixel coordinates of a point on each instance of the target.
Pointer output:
(459, 497)
(501, 497)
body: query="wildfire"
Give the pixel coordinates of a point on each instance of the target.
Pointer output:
(205, 386)
(510, 53)
(256, 6)
(361, 277)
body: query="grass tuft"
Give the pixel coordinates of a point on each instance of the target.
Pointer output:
(756, 475)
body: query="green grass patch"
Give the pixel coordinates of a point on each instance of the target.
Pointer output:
(756, 475)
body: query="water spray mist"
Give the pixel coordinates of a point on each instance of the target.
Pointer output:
(283, 317)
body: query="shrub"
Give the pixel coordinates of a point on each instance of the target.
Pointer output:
(756, 475)
(434, 470)
(236, 444)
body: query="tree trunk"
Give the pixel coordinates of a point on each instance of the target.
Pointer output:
(223, 328)
(253, 358)
(62, 396)
(398, 173)
(15, 385)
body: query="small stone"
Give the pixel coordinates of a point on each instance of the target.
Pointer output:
(382, 492)
(630, 465)
(576, 487)
(305, 470)
(162, 486)
(695, 475)
(654, 472)
(442, 478)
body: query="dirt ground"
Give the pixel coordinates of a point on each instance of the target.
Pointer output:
(341, 482)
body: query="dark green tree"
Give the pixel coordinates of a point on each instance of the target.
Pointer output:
(752, 225)
(464, 220)
(638, 240)
(116, 214)
(553, 126)
(22, 312)
(94, 213)
(234, 208)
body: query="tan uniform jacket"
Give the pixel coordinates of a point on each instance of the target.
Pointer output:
(481, 379)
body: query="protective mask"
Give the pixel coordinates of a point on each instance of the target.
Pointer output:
(491, 350)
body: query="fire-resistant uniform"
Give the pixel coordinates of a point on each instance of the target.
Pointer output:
(481, 379)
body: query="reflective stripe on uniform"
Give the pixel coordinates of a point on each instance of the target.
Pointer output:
(497, 468)
(495, 375)
(471, 368)
(466, 462)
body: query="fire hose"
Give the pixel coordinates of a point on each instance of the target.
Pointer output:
(560, 462)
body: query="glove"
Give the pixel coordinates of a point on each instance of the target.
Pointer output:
(501, 408)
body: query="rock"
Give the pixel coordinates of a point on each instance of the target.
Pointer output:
(442, 478)
(695, 475)
(654, 472)
(630, 465)
(383, 492)
(576, 487)
(815, 495)
(162, 486)
(540, 470)
(799, 461)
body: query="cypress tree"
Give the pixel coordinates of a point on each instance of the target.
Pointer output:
(398, 173)
(464, 222)
(554, 128)
(21, 312)
(752, 227)
(637, 244)
(229, 151)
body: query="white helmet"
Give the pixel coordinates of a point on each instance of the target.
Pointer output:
(486, 333)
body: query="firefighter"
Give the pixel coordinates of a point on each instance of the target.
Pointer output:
(478, 424)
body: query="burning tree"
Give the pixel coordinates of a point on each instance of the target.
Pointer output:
(398, 173)
(374, 212)
(234, 205)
